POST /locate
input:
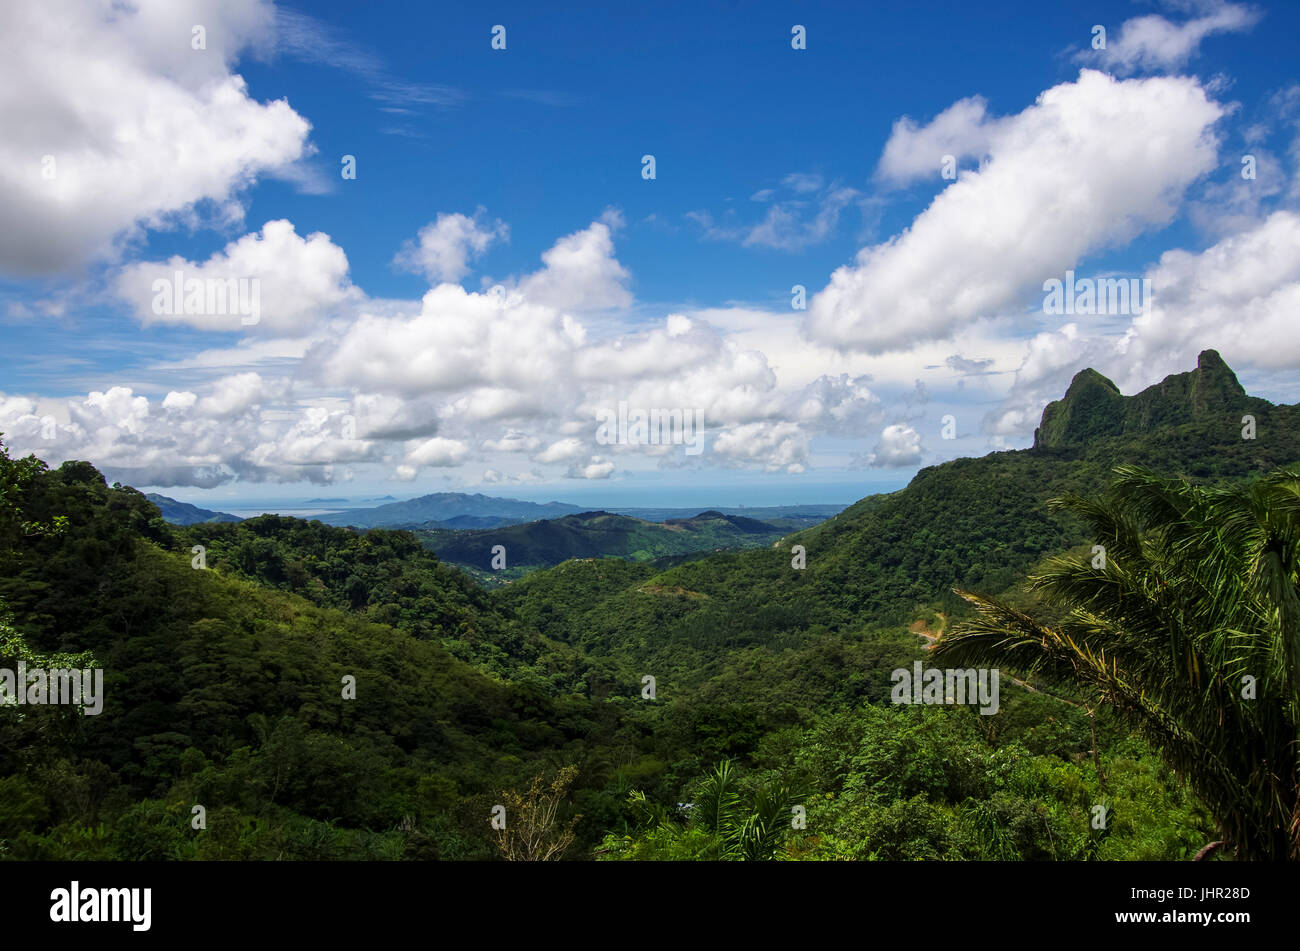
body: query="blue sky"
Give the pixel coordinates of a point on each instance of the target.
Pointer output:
(773, 167)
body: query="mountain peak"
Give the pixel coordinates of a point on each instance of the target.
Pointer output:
(1088, 377)
(1093, 406)
(1210, 359)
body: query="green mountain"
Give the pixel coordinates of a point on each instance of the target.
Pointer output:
(221, 690)
(548, 542)
(1094, 408)
(759, 676)
(441, 506)
(182, 513)
(975, 523)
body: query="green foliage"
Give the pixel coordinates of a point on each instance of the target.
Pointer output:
(1190, 631)
(224, 685)
(228, 693)
(548, 542)
(389, 578)
(727, 821)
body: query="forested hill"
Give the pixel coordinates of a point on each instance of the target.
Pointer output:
(183, 513)
(972, 523)
(227, 649)
(224, 691)
(548, 542)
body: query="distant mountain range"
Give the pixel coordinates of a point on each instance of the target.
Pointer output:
(548, 542)
(460, 510)
(977, 524)
(182, 513)
(444, 506)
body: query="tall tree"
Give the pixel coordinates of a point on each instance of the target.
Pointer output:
(1185, 618)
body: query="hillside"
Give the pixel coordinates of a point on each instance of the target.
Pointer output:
(229, 693)
(182, 513)
(548, 542)
(972, 523)
(224, 683)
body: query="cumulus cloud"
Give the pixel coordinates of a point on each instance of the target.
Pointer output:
(446, 245)
(1090, 165)
(385, 416)
(271, 280)
(1240, 296)
(773, 445)
(899, 447)
(842, 406)
(596, 468)
(317, 437)
(581, 272)
(460, 341)
(233, 396)
(113, 123)
(913, 151)
(437, 452)
(562, 450)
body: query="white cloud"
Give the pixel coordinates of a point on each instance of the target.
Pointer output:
(774, 445)
(385, 416)
(1090, 165)
(596, 468)
(458, 341)
(448, 244)
(438, 452)
(141, 128)
(562, 450)
(581, 272)
(899, 447)
(803, 182)
(1152, 42)
(233, 396)
(298, 283)
(1239, 296)
(180, 401)
(788, 226)
(317, 437)
(914, 152)
(842, 406)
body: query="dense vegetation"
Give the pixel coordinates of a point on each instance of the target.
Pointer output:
(548, 542)
(229, 694)
(1186, 621)
(731, 706)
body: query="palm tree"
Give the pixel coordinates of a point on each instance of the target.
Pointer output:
(1186, 621)
(746, 830)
